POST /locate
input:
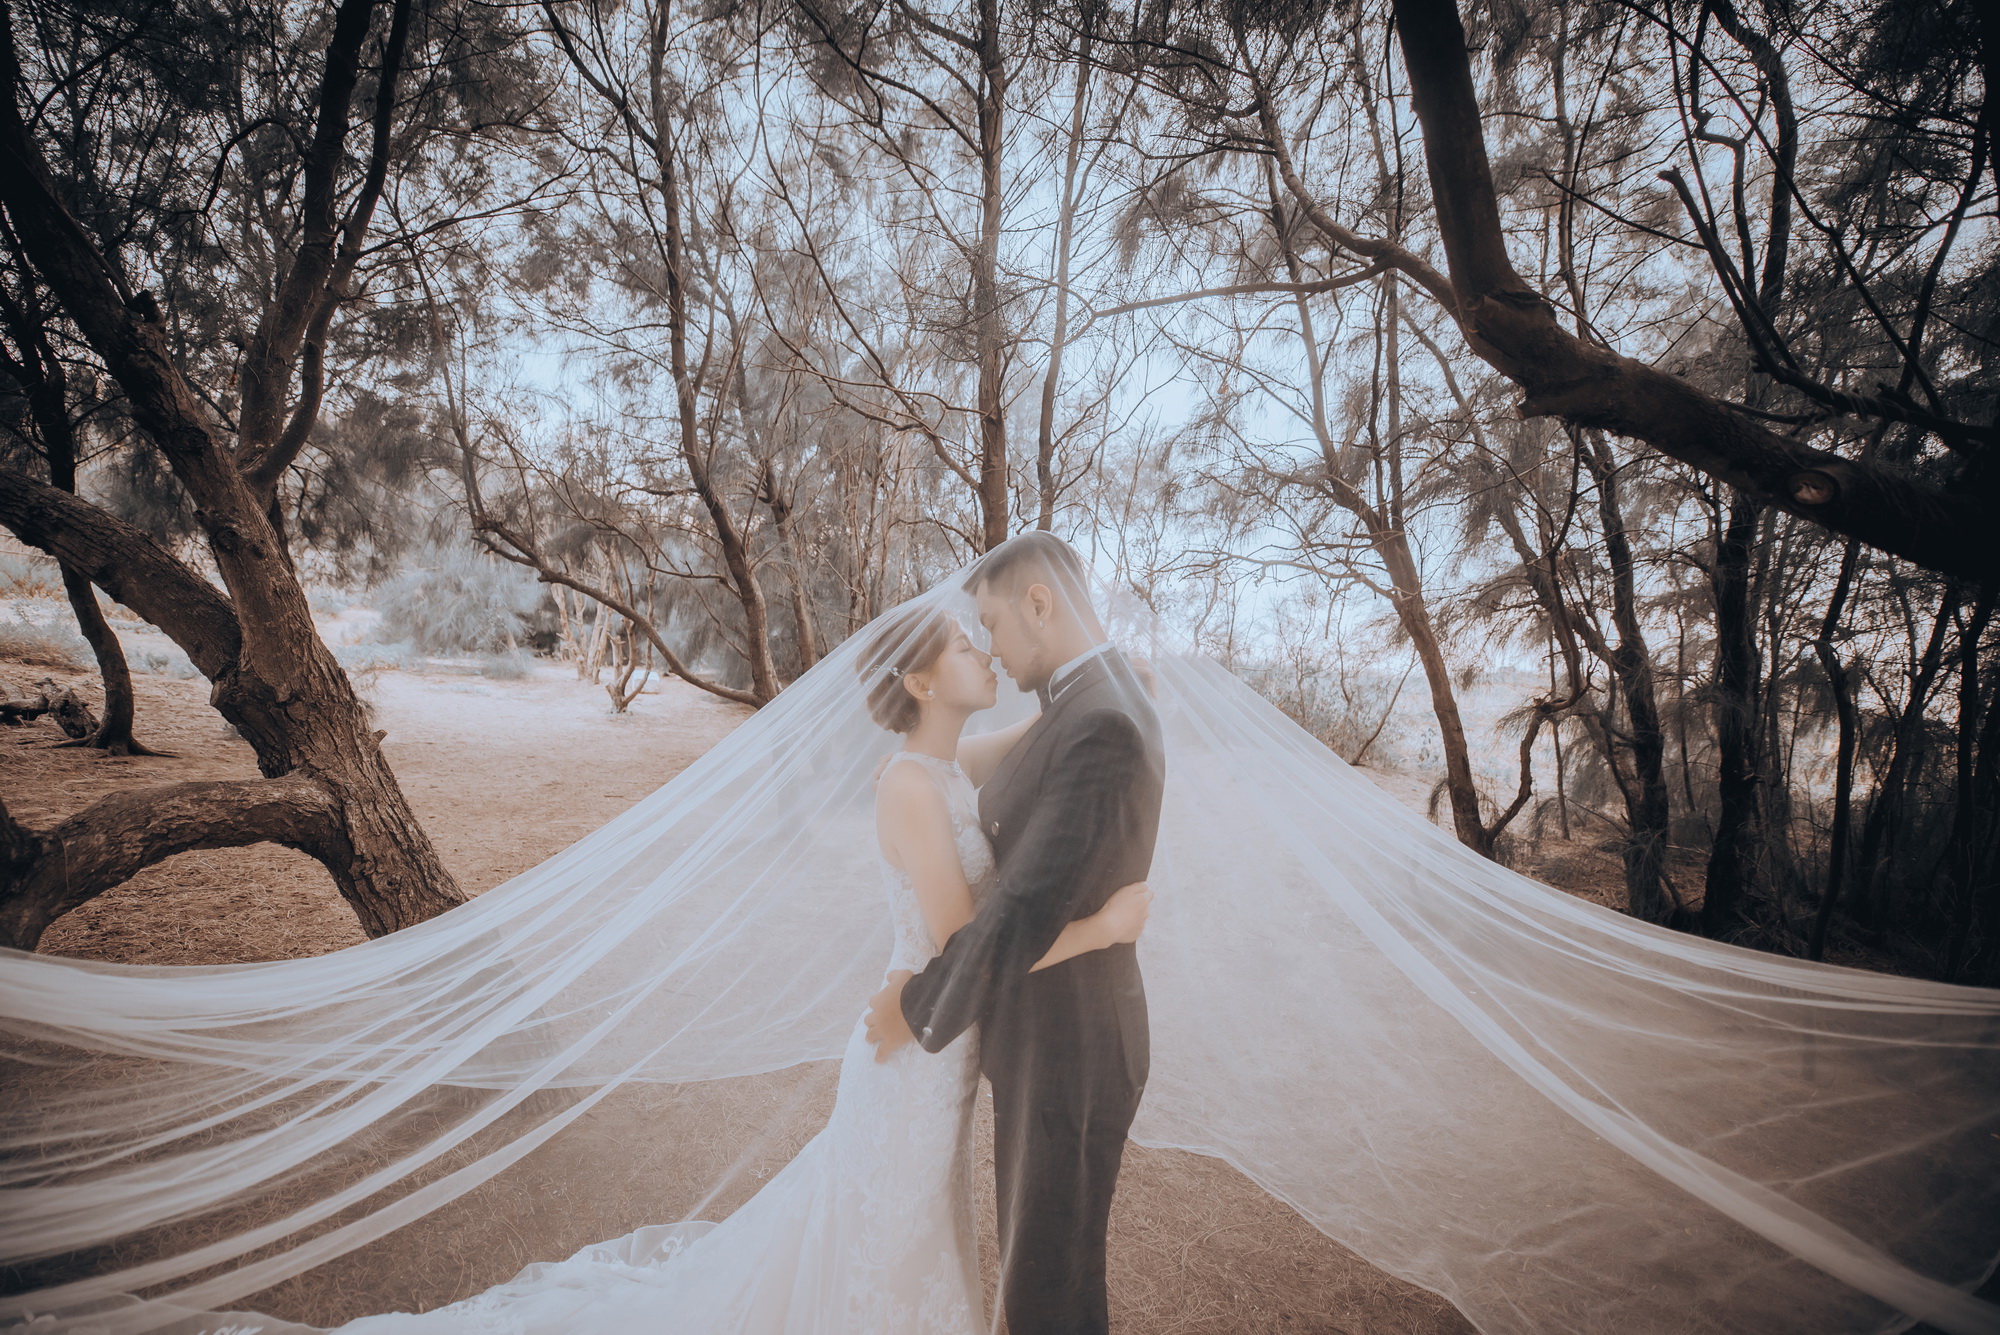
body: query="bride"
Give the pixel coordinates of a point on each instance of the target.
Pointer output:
(869, 1230)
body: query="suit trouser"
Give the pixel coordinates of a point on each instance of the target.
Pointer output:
(1056, 1154)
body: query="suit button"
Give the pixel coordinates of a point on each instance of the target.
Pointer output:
(994, 829)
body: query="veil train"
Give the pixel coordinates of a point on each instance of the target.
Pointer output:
(1558, 1117)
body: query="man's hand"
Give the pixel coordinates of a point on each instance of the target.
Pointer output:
(1142, 668)
(887, 1029)
(1123, 918)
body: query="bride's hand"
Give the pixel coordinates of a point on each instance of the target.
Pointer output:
(887, 1029)
(1123, 916)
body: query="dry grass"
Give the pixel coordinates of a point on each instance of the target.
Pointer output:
(1196, 1248)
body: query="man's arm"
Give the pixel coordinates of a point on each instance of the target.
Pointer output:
(980, 756)
(1051, 865)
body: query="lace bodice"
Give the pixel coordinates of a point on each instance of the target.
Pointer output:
(975, 857)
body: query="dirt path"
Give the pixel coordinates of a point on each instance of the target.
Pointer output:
(506, 773)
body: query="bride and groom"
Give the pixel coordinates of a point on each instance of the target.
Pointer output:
(1015, 864)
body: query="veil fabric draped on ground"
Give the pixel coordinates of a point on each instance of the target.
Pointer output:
(1560, 1118)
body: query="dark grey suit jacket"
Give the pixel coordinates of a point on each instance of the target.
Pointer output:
(1072, 811)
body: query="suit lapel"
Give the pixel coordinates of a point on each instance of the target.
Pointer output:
(1021, 771)
(996, 796)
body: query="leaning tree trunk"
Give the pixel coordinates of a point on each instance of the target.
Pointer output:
(114, 727)
(737, 563)
(1514, 329)
(1414, 615)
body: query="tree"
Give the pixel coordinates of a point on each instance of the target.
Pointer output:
(1514, 328)
(326, 788)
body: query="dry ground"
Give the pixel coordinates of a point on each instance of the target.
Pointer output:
(506, 773)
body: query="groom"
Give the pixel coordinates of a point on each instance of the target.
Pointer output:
(1072, 812)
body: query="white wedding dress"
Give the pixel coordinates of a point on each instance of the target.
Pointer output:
(868, 1231)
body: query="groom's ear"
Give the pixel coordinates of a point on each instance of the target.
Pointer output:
(1041, 603)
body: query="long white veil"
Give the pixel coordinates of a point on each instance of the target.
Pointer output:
(1559, 1118)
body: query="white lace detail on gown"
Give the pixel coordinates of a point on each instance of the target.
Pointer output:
(868, 1231)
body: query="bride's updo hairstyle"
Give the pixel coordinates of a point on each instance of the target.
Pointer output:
(908, 641)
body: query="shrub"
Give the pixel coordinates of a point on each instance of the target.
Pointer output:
(56, 646)
(457, 601)
(373, 657)
(326, 601)
(29, 575)
(171, 663)
(511, 666)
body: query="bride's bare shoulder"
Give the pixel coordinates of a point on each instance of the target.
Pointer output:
(906, 788)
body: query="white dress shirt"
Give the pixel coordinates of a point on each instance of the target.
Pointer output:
(1069, 669)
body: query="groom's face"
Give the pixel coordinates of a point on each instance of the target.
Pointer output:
(1010, 619)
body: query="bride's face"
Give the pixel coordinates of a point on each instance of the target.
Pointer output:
(962, 678)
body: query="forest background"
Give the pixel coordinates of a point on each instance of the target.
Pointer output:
(1627, 363)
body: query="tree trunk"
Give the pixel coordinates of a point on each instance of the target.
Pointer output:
(44, 874)
(1961, 863)
(46, 385)
(114, 728)
(1391, 545)
(1648, 890)
(1414, 616)
(1884, 823)
(1840, 681)
(1647, 812)
(994, 482)
(736, 560)
(1045, 436)
(803, 625)
(1732, 862)
(783, 518)
(1982, 855)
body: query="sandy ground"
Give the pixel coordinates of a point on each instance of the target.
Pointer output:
(502, 773)
(506, 773)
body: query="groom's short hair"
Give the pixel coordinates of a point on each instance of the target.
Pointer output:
(1035, 557)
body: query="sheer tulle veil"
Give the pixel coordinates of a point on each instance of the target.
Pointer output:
(1558, 1117)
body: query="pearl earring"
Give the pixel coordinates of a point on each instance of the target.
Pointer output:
(930, 695)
